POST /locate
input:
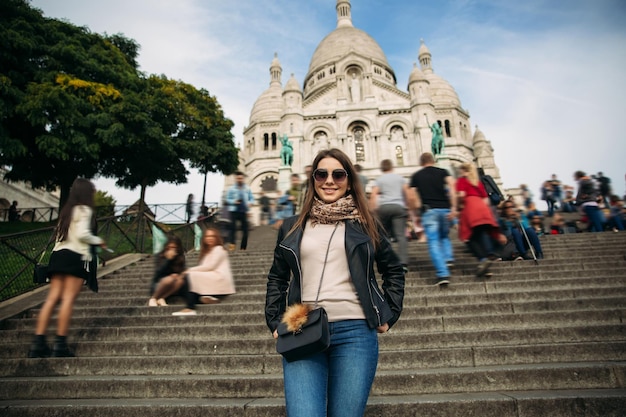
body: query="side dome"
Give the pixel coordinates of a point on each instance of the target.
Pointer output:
(292, 85)
(269, 105)
(442, 93)
(416, 75)
(343, 40)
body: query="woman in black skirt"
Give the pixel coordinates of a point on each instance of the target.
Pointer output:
(70, 266)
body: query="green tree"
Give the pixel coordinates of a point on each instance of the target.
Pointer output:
(59, 79)
(105, 204)
(156, 129)
(74, 104)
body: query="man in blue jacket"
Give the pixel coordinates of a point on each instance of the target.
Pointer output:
(239, 199)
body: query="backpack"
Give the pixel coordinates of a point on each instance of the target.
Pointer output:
(495, 197)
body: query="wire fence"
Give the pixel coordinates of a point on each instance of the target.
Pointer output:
(165, 213)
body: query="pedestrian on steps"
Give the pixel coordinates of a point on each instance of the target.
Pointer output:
(435, 190)
(389, 199)
(71, 264)
(478, 227)
(239, 198)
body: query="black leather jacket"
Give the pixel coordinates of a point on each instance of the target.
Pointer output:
(379, 307)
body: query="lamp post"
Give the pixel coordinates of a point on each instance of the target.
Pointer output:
(204, 188)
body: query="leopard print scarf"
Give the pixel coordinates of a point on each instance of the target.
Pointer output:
(342, 209)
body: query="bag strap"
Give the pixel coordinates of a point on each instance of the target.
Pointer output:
(324, 267)
(45, 249)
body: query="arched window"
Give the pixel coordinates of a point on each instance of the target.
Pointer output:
(447, 128)
(273, 141)
(359, 144)
(399, 156)
(266, 142)
(320, 136)
(396, 133)
(269, 183)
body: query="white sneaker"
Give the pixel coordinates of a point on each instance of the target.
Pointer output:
(152, 302)
(185, 312)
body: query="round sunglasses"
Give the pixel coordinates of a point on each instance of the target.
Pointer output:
(339, 175)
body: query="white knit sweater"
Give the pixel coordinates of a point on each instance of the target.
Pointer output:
(79, 236)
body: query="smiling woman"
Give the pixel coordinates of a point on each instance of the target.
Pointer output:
(334, 217)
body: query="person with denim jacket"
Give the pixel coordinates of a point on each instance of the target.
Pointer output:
(516, 228)
(337, 242)
(239, 199)
(436, 190)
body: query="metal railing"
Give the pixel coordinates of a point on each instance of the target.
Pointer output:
(165, 213)
(126, 233)
(33, 214)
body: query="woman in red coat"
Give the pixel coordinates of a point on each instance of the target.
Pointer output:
(477, 226)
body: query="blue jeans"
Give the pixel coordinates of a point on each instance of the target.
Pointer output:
(520, 241)
(337, 382)
(437, 227)
(617, 222)
(595, 218)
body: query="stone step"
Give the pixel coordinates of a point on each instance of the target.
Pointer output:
(224, 325)
(552, 376)
(153, 344)
(201, 326)
(535, 277)
(212, 363)
(237, 312)
(568, 287)
(426, 266)
(419, 265)
(555, 403)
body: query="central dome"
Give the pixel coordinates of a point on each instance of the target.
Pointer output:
(341, 42)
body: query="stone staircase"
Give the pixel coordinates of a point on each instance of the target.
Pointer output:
(544, 339)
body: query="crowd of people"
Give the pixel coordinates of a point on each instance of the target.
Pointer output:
(593, 198)
(494, 228)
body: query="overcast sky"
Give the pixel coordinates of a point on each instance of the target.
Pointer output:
(544, 80)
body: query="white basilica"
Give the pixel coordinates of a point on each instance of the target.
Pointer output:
(351, 101)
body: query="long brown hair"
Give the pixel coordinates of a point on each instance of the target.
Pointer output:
(178, 263)
(355, 189)
(82, 193)
(204, 247)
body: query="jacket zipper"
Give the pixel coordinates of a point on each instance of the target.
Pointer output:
(369, 288)
(299, 269)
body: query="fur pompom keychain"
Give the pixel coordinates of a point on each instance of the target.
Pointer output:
(296, 316)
